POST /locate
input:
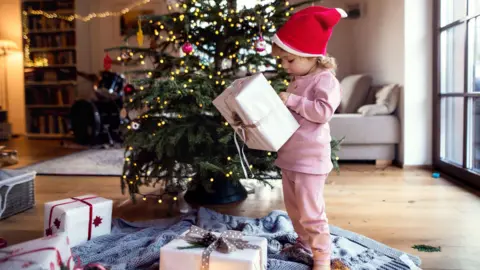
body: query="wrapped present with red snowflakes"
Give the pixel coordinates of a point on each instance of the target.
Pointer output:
(206, 250)
(51, 252)
(83, 218)
(256, 112)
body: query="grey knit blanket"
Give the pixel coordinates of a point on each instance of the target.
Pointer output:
(137, 245)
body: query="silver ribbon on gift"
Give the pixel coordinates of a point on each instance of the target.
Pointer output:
(241, 128)
(227, 242)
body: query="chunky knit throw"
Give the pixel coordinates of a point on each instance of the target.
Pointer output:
(136, 245)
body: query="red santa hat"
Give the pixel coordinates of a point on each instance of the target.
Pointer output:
(308, 31)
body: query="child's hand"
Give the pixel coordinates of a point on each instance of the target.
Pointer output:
(284, 96)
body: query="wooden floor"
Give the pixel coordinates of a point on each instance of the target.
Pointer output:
(397, 207)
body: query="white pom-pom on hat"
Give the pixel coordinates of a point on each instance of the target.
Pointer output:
(342, 12)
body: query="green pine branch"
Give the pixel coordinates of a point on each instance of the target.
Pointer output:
(427, 248)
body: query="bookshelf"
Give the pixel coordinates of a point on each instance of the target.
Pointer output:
(50, 68)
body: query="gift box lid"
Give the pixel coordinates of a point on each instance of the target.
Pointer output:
(72, 205)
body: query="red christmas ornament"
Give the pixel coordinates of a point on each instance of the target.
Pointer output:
(187, 47)
(260, 45)
(107, 62)
(128, 89)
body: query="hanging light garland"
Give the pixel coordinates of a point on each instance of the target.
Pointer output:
(53, 15)
(105, 14)
(26, 47)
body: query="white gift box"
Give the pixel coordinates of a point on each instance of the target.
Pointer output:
(173, 258)
(83, 217)
(267, 122)
(48, 253)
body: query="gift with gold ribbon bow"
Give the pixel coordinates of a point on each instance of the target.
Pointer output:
(226, 242)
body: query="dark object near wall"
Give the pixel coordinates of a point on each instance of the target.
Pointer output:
(354, 11)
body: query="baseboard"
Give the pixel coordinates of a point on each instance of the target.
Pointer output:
(428, 167)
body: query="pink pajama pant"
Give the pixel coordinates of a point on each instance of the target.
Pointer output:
(303, 197)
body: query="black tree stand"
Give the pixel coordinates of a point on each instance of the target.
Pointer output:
(224, 191)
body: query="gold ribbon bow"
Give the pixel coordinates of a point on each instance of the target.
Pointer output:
(238, 124)
(227, 242)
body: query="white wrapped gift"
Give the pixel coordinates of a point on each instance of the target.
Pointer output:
(265, 119)
(51, 252)
(173, 256)
(83, 217)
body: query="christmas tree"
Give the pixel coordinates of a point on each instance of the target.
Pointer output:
(175, 136)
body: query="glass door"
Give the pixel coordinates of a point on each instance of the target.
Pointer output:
(457, 89)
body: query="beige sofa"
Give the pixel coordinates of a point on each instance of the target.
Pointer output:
(367, 119)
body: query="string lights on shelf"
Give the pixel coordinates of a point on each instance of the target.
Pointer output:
(93, 15)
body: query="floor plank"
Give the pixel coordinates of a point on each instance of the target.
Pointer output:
(397, 207)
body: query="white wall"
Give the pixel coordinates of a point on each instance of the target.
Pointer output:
(418, 93)
(377, 41)
(11, 29)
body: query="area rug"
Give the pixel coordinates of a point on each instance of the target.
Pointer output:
(104, 162)
(137, 245)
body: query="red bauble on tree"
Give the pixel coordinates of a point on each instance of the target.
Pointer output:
(260, 45)
(187, 47)
(128, 89)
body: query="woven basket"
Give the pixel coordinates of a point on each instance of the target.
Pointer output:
(17, 192)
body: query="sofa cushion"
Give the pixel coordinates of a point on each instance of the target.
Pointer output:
(359, 129)
(386, 101)
(355, 89)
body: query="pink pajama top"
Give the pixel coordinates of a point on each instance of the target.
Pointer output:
(313, 100)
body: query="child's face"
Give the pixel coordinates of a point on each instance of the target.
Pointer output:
(296, 65)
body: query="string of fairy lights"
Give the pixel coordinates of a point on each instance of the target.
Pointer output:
(93, 15)
(70, 18)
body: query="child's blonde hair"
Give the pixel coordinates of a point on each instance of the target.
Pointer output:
(324, 61)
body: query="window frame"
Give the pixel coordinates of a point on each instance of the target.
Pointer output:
(459, 172)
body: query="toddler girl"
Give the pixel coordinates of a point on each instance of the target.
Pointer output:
(313, 96)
